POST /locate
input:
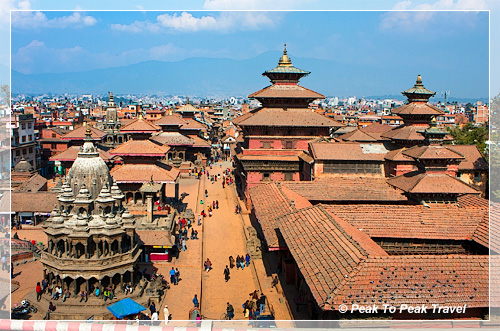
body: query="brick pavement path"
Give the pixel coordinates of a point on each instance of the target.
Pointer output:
(224, 236)
(179, 297)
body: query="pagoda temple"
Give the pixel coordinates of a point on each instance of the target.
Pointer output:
(419, 127)
(111, 125)
(277, 134)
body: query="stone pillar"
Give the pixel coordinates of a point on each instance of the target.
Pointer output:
(120, 246)
(66, 247)
(177, 189)
(121, 281)
(149, 199)
(88, 286)
(85, 250)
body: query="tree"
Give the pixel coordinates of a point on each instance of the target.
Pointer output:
(471, 135)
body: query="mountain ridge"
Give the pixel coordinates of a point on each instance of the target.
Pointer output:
(229, 77)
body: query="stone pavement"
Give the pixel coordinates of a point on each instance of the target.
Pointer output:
(224, 236)
(179, 297)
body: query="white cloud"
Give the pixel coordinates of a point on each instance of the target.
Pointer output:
(224, 22)
(410, 16)
(36, 19)
(7, 5)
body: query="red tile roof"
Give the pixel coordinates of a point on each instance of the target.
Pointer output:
(170, 120)
(342, 265)
(472, 200)
(36, 202)
(79, 133)
(432, 152)
(417, 108)
(172, 139)
(140, 148)
(347, 151)
(413, 221)
(199, 142)
(404, 133)
(397, 155)
(193, 125)
(155, 238)
(140, 126)
(415, 182)
(495, 228)
(359, 136)
(376, 128)
(343, 189)
(448, 280)
(294, 117)
(473, 159)
(286, 91)
(71, 153)
(141, 173)
(269, 202)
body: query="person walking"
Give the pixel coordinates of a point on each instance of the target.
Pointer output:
(226, 274)
(199, 220)
(154, 316)
(208, 265)
(192, 233)
(4, 263)
(152, 308)
(242, 262)
(229, 311)
(177, 276)
(262, 303)
(183, 243)
(231, 262)
(51, 309)
(247, 259)
(195, 234)
(172, 276)
(237, 262)
(38, 290)
(206, 193)
(166, 314)
(216, 204)
(195, 301)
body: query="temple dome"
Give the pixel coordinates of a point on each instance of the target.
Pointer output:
(89, 169)
(23, 166)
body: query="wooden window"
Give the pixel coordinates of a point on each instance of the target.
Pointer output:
(352, 168)
(53, 135)
(266, 176)
(288, 144)
(288, 176)
(266, 144)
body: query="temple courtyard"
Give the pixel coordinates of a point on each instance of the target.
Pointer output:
(220, 236)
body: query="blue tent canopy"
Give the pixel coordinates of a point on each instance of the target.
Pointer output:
(125, 307)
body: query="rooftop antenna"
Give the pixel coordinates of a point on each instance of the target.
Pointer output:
(445, 94)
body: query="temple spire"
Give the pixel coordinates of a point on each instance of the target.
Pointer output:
(285, 61)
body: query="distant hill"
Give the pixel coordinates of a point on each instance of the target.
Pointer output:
(226, 77)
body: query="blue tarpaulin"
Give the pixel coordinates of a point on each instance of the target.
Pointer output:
(125, 307)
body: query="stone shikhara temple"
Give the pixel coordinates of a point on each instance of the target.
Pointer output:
(91, 236)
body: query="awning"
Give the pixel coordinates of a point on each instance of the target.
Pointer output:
(125, 307)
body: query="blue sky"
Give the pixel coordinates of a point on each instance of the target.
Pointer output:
(69, 41)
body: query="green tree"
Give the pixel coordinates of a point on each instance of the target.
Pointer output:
(471, 135)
